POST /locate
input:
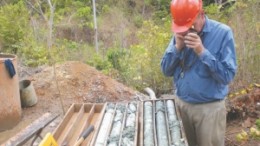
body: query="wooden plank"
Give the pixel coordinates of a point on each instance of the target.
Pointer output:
(98, 123)
(76, 120)
(136, 123)
(167, 121)
(109, 124)
(58, 131)
(67, 124)
(32, 129)
(90, 117)
(154, 124)
(141, 130)
(82, 124)
(74, 124)
(97, 114)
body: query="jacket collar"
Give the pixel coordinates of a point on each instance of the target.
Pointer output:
(207, 27)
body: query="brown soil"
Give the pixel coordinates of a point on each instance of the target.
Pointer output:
(74, 82)
(243, 111)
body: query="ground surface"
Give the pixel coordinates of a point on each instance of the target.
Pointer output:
(75, 82)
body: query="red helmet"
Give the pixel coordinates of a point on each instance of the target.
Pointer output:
(184, 12)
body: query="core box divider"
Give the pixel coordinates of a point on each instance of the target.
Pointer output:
(141, 120)
(141, 126)
(84, 122)
(154, 124)
(79, 124)
(111, 123)
(87, 119)
(141, 123)
(123, 124)
(77, 118)
(95, 115)
(136, 123)
(167, 121)
(97, 125)
(100, 122)
(61, 134)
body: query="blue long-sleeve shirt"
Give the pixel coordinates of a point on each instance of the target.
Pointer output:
(207, 76)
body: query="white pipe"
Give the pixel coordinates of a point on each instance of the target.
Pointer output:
(151, 93)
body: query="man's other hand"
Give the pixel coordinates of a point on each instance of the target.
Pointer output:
(193, 41)
(179, 38)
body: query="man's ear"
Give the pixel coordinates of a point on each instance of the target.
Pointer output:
(202, 13)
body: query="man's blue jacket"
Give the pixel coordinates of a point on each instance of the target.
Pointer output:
(206, 77)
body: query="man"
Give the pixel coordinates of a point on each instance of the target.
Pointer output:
(201, 58)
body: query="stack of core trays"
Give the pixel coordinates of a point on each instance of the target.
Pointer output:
(147, 123)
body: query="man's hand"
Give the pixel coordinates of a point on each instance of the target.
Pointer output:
(179, 41)
(193, 41)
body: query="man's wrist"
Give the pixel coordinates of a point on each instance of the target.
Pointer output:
(178, 48)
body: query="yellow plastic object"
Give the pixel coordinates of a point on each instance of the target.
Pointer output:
(48, 141)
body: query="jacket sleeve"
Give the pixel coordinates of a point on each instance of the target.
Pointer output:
(170, 59)
(224, 68)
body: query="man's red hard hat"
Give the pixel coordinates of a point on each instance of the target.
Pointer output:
(184, 12)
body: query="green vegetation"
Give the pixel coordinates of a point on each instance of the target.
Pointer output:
(132, 36)
(257, 123)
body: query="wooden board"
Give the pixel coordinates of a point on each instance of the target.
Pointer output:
(97, 113)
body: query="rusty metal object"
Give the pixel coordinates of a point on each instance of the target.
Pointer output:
(10, 109)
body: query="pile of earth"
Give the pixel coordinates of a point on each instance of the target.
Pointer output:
(78, 82)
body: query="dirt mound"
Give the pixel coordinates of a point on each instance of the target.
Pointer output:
(76, 82)
(79, 81)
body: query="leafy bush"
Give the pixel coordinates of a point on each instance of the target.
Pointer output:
(138, 21)
(116, 58)
(13, 26)
(146, 56)
(33, 53)
(99, 63)
(255, 133)
(242, 136)
(257, 123)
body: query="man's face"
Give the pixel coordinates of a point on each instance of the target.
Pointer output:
(196, 26)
